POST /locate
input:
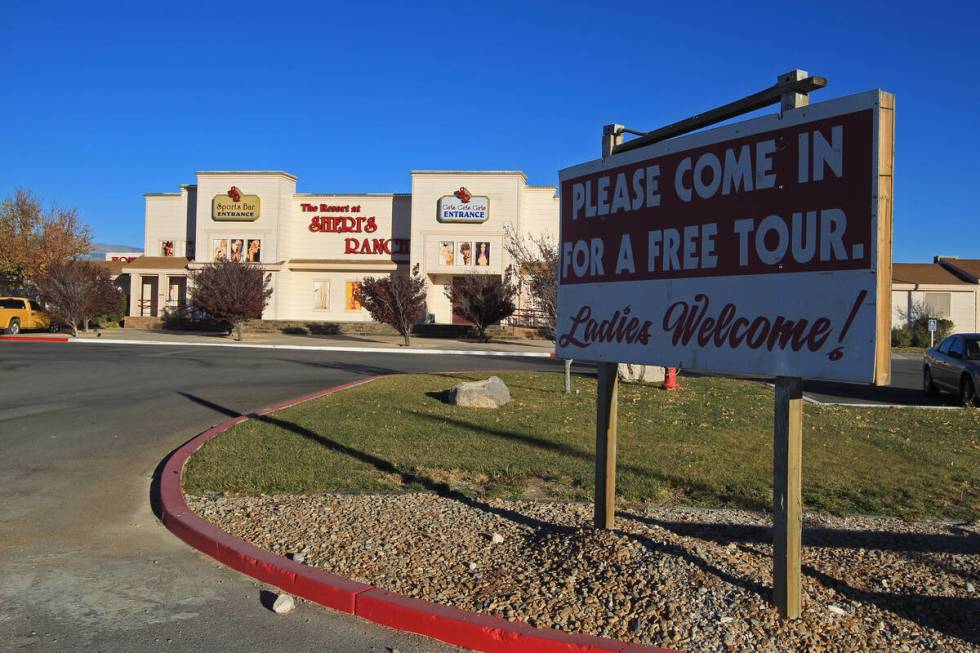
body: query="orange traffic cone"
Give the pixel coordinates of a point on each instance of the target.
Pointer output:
(670, 381)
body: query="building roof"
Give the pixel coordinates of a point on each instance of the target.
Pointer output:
(115, 268)
(470, 172)
(246, 172)
(925, 273)
(158, 263)
(968, 267)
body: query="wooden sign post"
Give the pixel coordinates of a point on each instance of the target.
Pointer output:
(787, 459)
(607, 392)
(787, 504)
(606, 399)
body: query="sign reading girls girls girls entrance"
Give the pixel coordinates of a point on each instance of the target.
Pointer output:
(464, 207)
(762, 247)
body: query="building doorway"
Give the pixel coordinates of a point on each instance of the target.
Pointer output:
(176, 294)
(148, 296)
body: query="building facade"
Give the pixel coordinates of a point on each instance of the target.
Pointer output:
(318, 247)
(948, 288)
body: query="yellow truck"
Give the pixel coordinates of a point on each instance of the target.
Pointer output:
(18, 313)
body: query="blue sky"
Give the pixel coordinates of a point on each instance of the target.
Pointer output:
(102, 102)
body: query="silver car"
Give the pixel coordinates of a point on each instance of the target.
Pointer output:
(954, 366)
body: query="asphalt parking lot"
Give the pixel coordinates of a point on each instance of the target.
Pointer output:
(904, 390)
(85, 565)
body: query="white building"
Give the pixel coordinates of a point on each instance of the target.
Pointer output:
(318, 247)
(948, 288)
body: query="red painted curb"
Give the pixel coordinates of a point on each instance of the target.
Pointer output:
(471, 630)
(35, 338)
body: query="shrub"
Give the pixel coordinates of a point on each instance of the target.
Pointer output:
(74, 292)
(396, 300)
(483, 299)
(920, 330)
(901, 337)
(231, 291)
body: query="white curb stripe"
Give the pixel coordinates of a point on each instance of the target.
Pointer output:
(368, 350)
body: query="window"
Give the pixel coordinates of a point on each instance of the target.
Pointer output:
(353, 296)
(12, 303)
(972, 349)
(35, 306)
(956, 348)
(321, 295)
(936, 303)
(944, 345)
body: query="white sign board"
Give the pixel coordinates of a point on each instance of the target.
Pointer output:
(463, 207)
(932, 326)
(762, 247)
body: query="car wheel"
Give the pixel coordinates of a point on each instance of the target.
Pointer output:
(968, 392)
(14, 327)
(928, 385)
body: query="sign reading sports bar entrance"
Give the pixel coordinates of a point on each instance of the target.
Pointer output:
(235, 206)
(755, 248)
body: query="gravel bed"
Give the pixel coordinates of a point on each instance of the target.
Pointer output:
(681, 578)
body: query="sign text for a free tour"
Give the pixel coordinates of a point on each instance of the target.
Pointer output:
(750, 248)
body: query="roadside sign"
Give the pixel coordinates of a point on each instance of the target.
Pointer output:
(932, 326)
(760, 247)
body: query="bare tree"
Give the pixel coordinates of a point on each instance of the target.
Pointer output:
(536, 260)
(231, 291)
(916, 310)
(74, 292)
(396, 300)
(483, 299)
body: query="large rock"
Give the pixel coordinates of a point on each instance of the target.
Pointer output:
(491, 393)
(641, 373)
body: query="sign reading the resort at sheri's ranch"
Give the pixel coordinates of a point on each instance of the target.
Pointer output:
(762, 247)
(235, 206)
(461, 206)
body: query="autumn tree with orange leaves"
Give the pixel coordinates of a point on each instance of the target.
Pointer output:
(33, 240)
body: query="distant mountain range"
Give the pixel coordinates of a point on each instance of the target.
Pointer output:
(99, 250)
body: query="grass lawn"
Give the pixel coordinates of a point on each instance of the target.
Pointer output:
(709, 444)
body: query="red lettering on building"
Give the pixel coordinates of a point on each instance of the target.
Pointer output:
(377, 246)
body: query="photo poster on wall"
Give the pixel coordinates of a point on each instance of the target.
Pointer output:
(464, 253)
(220, 248)
(237, 250)
(254, 252)
(446, 252)
(352, 299)
(167, 248)
(483, 253)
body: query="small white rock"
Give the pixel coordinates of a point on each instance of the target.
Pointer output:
(726, 620)
(837, 610)
(298, 557)
(969, 587)
(284, 604)
(497, 538)
(472, 566)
